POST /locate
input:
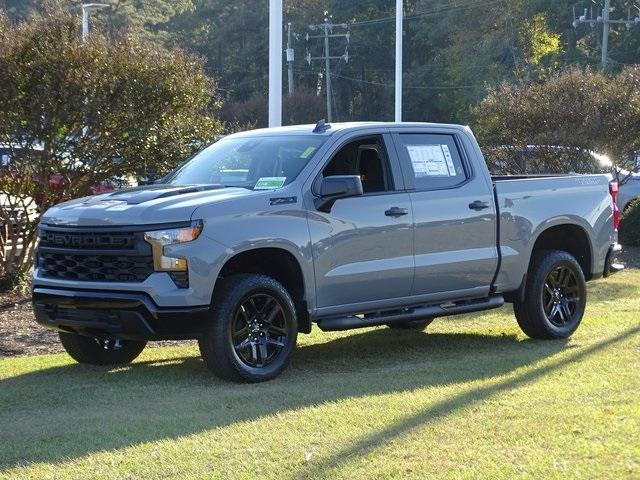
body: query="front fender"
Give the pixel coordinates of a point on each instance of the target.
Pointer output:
(254, 223)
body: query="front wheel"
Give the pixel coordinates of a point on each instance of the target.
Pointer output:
(253, 332)
(555, 296)
(97, 351)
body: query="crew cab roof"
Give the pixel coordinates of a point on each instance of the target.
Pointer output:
(335, 128)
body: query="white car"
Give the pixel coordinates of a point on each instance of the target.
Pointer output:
(629, 191)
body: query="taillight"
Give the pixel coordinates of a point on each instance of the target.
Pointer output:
(613, 190)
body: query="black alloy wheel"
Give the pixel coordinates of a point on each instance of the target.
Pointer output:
(253, 330)
(561, 296)
(555, 296)
(259, 330)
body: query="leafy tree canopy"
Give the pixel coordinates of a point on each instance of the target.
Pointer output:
(74, 114)
(454, 51)
(586, 110)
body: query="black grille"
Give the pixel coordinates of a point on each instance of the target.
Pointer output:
(88, 240)
(103, 255)
(102, 268)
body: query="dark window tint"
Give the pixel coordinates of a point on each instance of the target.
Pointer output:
(366, 158)
(434, 159)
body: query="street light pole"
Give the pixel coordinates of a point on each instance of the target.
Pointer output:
(275, 63)
(87, 8)
(398, 80)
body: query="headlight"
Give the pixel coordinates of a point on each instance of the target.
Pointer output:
(161, 238)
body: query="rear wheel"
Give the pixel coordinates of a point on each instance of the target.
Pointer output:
(97, 351)
(555, 296)
(253, 331)
(412, 324)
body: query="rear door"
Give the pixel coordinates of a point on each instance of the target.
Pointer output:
(363, 247)
(454, 215)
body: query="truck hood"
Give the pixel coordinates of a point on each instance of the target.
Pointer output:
(152, 204)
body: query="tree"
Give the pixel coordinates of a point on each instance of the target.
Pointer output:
(75, 114)
(580, 109)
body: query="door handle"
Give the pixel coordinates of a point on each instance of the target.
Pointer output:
(478, 205)
(396, 212)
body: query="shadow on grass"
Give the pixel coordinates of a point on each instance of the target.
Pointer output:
(70, 411)
(451, 405)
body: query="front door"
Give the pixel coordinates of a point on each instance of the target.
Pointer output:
(363, 248)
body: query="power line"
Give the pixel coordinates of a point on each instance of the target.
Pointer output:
(391, 85)
(413, 87)
(427, 13)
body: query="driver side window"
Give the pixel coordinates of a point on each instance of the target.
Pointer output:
(365, 157)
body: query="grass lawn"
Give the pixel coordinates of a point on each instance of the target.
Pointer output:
(471, 397)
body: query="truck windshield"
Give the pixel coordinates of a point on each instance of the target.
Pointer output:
(252, 162)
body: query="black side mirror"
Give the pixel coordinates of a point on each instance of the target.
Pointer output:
(336, 187)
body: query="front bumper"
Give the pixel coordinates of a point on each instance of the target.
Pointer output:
(610, 266)
(108, 314)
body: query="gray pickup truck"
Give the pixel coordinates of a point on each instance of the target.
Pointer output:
(266, 232)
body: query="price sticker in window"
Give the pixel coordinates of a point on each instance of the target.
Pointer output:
(431, 161)
(269, 183)
(307, 153)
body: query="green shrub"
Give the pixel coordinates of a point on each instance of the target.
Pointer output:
(630, 225)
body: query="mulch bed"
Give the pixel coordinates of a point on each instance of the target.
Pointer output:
(21, 335)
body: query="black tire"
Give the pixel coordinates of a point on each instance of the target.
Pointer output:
(100, 352)
(245, 341)
(555, 296)
(412, 324)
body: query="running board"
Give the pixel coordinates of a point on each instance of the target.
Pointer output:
(406, 314)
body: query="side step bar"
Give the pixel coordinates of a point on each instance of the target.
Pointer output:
(413, 313)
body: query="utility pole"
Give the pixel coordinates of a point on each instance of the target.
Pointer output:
(327, 70)
(327, 28)
(605, 20)
(605, 33)
(290, 59)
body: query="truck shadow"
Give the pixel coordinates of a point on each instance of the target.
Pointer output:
(66, 412)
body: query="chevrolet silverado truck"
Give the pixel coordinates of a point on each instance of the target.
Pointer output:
(266, 232)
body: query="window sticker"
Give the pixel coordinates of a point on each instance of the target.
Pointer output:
(447, 156)
(431, 161)
(307, 152)
(269, 183)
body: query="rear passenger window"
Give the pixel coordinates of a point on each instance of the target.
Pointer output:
(434, 159)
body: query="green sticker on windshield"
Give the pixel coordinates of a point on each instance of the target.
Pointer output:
(307, 152)
(269, 183)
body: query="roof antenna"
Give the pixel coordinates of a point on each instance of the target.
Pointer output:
(321, 126)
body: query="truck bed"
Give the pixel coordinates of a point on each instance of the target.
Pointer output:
(503, 178)
(524, 204)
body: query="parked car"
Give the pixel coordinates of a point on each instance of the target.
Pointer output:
(344, 226)
(545, 159)
(629, 191)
